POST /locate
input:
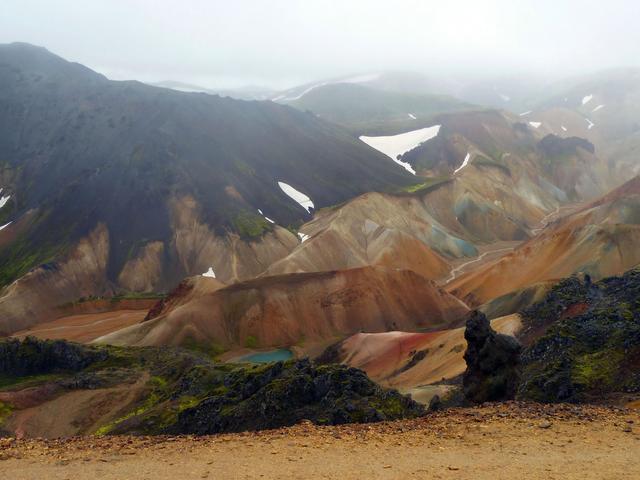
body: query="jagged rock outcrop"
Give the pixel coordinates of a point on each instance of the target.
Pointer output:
(32, 356)
(286, 393)
(588, 341)
(492, 362)
(109, 390)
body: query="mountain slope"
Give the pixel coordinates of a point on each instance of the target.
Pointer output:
(171, 182)
(600, 239)
(366, 110)
(287, 309)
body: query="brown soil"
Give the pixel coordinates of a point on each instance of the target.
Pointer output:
(51, 411)
(85, 328)
(286, 309)
(390, 358)
(497, 441)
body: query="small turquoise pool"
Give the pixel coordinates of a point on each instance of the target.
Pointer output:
(265, 357)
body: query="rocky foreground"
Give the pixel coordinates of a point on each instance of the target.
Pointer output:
(509, 440)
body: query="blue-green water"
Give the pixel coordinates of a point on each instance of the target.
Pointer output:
(265, 357)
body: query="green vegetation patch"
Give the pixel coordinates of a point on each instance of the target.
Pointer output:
(427, 186)
(250, 226)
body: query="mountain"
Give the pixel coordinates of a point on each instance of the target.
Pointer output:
(120, 186)
(241, 93)
(288, 310)
(599, 239)
(602, 107)
(368, 111)
(482, 178)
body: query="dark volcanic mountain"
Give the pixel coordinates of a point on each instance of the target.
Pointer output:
(130, 187)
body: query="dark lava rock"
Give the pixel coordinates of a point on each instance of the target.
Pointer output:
(285, 393)
(590, 344)
(554, 146)
(492, 362)
(33, 356)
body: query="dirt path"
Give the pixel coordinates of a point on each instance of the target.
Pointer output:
(496, 442)
(456, 271)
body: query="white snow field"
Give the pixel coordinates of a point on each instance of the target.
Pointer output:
(209, 273)
(587, 99)
(304, 201)
(465, 162)
(394, 145)
(535, 124)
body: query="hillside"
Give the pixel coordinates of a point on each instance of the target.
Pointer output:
(54, 388)
(296, 310)
(599, 239)
(124, 186)
(365, 110)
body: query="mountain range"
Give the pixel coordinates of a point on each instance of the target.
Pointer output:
(358, 220)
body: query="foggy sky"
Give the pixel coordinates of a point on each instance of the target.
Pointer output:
(279, 43)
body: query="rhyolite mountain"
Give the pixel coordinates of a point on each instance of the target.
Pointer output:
(123, 186)
(599, 239)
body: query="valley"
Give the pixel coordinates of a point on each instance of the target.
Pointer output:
(438, 275)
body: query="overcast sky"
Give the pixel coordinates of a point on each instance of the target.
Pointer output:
(221, 43)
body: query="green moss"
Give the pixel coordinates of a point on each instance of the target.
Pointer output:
(209, 349)
(5, 411)
(249, 225)
(251, 342)
(597, 371)
(27, 381)
(428, 185)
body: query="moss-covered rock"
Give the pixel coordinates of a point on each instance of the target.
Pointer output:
(284, 393)
(33, 356)
(187, 392)
(590, 341)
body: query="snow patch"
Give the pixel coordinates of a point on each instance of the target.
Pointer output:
(586, 99)
(5, 226)
(209, 273)
(599, 107)
(265, 217)
(564, 129)
(412, 116)
(525, 113)
(464, 163)
(394, 146)
(304, 201)
(535, 124)
(4, 200)
(505, 98)
(303, 237)
(591, 124)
